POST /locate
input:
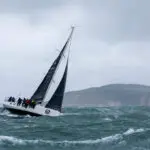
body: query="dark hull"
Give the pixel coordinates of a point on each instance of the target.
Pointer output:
(21, 112)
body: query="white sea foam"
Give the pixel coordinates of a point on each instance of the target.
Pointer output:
(17, 141)
(112, 138)
(12, 115)
(132, 131)
(28, 116)
(71, 114)
(108, 139)
(11, 139)
(24, 126)
(107, 119)
(122, 142)
(29, 126)
(7, 113)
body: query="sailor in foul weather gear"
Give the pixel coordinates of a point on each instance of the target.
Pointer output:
(33, 104)
(27, 102)
(23, 103)
(19, 101)
(10, 99)
(13, 99)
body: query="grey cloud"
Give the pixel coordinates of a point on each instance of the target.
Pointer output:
(117, 20)
(28, 6)
(110, 21)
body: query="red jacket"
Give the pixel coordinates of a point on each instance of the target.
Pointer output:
(28, 101)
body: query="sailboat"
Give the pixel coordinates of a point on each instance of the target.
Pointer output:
(48, 98)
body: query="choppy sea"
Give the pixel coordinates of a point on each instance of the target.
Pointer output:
(85, 128)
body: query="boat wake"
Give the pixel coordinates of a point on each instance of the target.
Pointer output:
(8, 114)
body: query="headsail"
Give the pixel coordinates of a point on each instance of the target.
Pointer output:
(56, 101)
(41, 91)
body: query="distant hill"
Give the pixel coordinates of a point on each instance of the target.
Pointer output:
(110, 95)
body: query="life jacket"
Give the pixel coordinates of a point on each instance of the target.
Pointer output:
(33, 102)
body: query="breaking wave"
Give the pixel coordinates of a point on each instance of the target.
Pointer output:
(108, 139)
(104, 140)
(132, 131)
(17, 141)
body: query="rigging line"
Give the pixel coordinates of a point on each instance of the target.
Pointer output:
(69, 45)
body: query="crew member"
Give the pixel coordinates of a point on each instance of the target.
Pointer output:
(27, 103)
(19, 101)
(33, 104)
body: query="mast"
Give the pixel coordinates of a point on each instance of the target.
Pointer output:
(42, 89)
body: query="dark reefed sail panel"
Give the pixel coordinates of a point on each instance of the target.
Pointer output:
(56, 101)
(41, 91)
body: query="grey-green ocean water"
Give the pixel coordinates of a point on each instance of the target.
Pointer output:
(95, 128)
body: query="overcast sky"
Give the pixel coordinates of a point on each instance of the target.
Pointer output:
(111, 43)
